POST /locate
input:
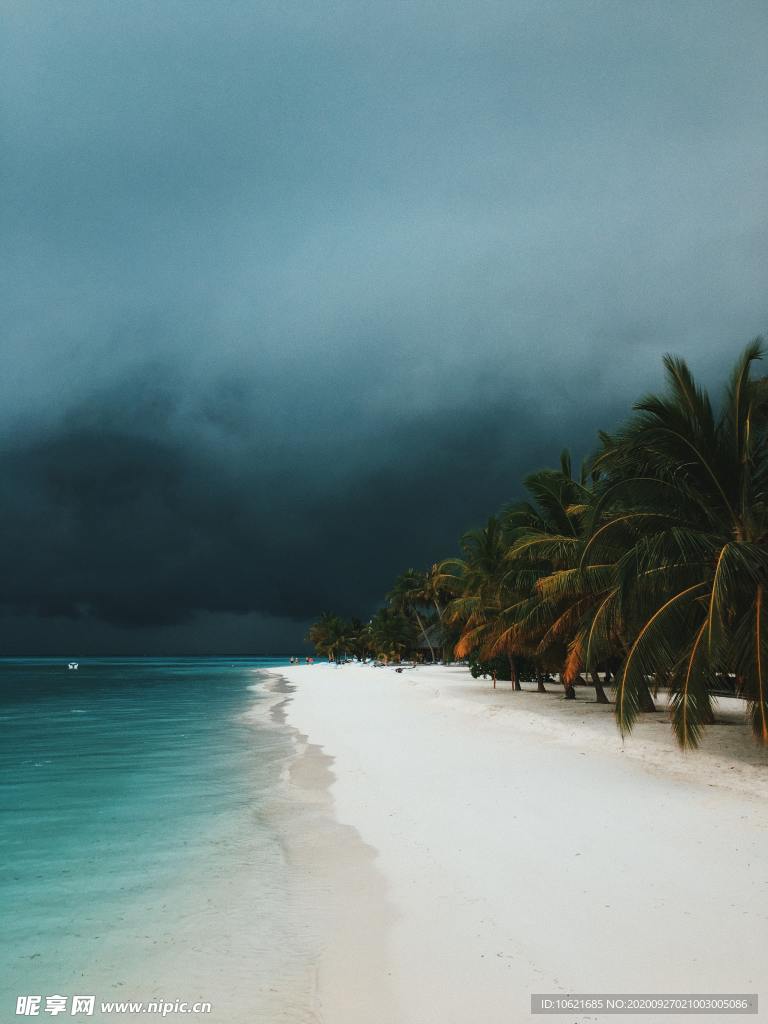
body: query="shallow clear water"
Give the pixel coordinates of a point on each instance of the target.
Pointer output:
(138, 860)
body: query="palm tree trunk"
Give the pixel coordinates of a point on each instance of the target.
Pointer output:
(645, 697)
(540, 687)
(570, 691)
(513, 673)
(424, 632)
(445, 647)
(600, 696)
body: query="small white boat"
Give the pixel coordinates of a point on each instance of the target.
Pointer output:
(73, 664)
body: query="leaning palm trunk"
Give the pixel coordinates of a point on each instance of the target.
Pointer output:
(600, 696)
(445, 647)
(645, 697)
(425, 635)
(513, 672)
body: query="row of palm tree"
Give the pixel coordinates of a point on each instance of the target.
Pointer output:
(414, 612)
(390, 635)
(645, 570)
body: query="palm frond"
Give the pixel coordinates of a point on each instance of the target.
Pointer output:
(652, 651)
(691, 705)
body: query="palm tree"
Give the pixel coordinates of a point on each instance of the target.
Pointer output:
(392, 633)
(360, 644)
(552, 595)
(684, 516)
(544, 536)
(410, 593)
(331, 635)
(435, 591)
(478, 582)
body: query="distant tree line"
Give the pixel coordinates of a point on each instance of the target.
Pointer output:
(645, 569)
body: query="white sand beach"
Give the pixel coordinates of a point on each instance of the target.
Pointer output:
(513, 844)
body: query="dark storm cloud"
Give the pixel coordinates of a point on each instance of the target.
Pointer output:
(126, 512)
(294, 292)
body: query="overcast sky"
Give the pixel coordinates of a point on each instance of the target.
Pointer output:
(293, 293)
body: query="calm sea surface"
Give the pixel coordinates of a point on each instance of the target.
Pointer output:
(138, 860)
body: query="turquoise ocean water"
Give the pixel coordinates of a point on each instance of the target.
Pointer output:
(138, 857)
